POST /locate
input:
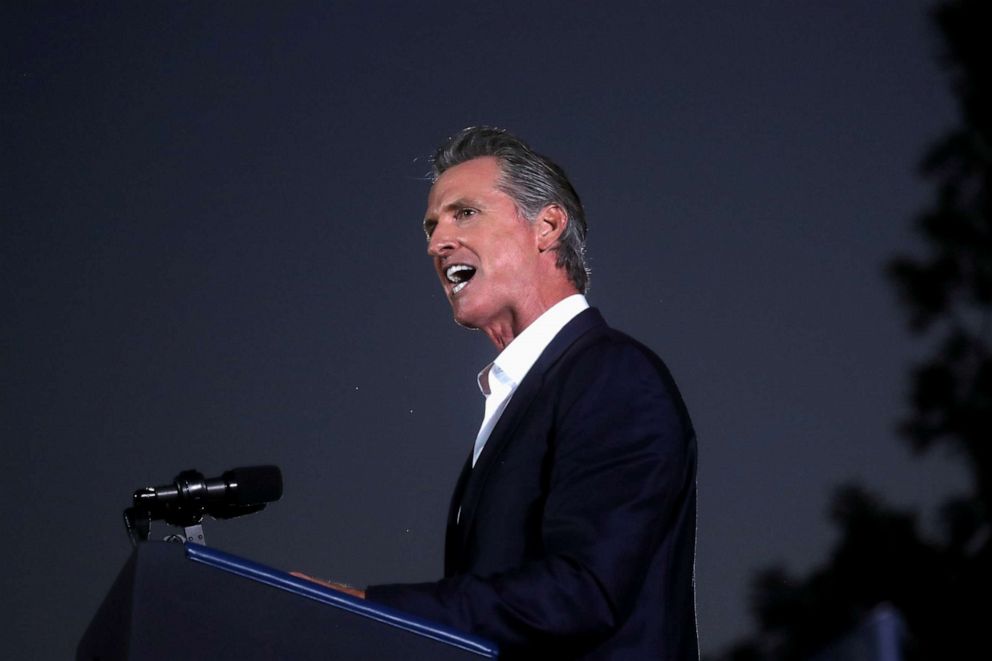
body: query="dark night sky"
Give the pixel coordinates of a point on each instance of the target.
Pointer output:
(212, 257)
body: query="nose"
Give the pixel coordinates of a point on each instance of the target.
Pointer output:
(441, 242)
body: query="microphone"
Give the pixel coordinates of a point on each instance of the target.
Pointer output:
(184, 502)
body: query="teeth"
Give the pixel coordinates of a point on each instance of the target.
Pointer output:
(450, 272)
(457, 288)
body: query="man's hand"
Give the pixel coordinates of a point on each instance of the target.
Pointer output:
(340, 587)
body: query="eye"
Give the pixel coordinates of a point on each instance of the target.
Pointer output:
(429, 226)
(466, 212)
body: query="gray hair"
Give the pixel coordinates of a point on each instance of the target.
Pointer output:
(533, 181)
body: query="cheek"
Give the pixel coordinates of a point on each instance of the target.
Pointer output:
(516, 262)
(510, 250)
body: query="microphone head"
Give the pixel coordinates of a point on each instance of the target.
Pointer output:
(252, 485)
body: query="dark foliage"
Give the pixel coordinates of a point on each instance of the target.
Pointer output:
(942, 587)
(949, 291)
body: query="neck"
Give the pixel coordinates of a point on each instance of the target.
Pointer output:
(503, 331)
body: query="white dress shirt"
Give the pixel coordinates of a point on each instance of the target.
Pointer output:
(499, 379)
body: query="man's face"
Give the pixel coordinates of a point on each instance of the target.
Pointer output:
(485, 253)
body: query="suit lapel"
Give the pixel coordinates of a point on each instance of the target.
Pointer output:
(452, 537)
(472, 481)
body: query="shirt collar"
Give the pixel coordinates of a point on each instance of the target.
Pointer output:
(516, 359)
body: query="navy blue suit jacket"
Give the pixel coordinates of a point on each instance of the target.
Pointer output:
(576, 537)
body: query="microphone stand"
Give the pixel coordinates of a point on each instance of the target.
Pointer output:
(138, 523)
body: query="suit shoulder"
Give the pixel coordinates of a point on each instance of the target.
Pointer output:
(614, 391)
(607, 348)
(605, 354)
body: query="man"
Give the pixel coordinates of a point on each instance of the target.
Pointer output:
(571, 531)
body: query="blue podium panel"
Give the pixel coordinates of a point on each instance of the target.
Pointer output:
(189, 602)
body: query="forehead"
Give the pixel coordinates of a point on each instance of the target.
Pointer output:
(477, 177)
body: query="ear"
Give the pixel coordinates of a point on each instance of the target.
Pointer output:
(551, 223)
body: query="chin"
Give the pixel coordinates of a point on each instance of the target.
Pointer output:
(465, 321)
(464, 318)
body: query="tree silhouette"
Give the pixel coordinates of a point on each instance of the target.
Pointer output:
(949, 293)
(943, 587)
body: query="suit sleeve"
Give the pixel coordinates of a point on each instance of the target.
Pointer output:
(623, 461)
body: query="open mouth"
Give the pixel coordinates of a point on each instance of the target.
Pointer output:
(459, 275)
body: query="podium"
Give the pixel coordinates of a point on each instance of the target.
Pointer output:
(185, 601)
